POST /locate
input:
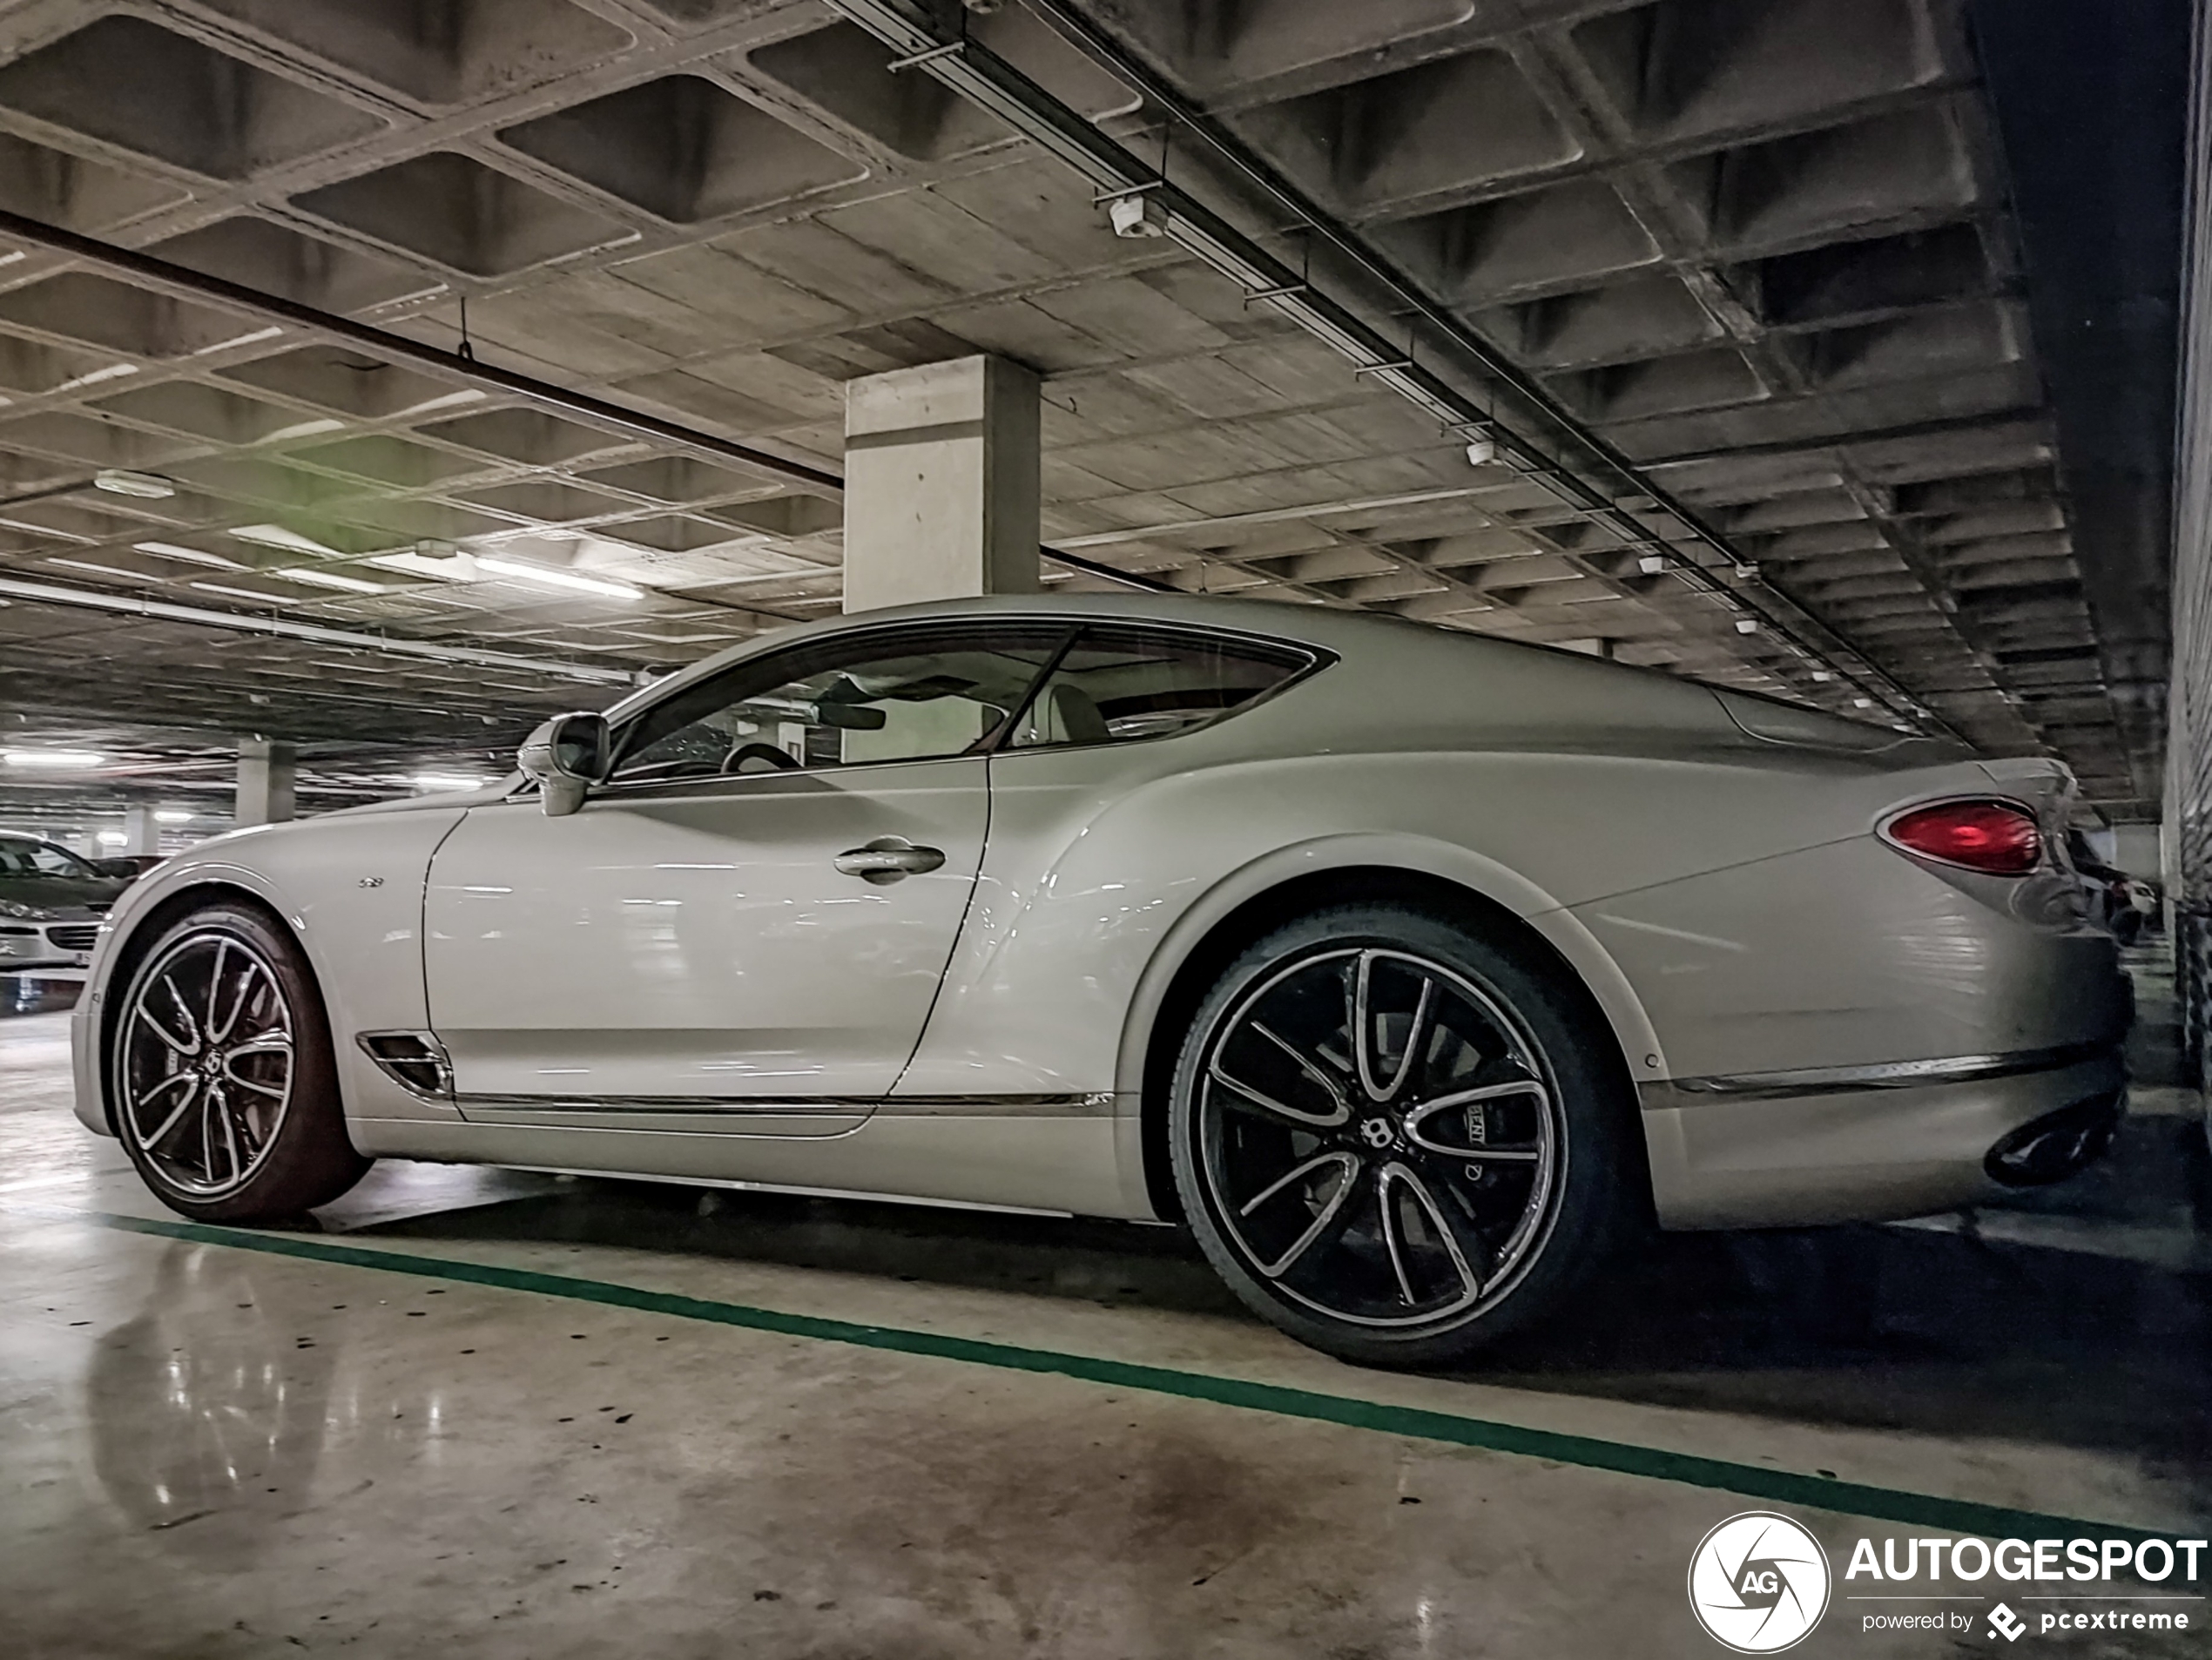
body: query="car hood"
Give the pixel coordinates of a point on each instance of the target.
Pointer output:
(64, 896)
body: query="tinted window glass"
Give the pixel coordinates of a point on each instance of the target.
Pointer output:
(905, 695)
(1122, 683)
(20, 856)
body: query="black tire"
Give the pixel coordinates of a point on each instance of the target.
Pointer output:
(221, 1075)
(1388, 1219)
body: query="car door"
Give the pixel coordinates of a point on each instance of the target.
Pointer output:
(753, 914)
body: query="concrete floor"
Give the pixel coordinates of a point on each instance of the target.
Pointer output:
(213, 1450)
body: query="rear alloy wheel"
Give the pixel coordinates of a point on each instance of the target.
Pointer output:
(1394, 1140)
(225, 1090)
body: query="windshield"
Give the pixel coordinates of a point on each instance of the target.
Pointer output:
(22, 856)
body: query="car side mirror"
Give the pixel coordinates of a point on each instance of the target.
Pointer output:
(567, 756)
(122, 867)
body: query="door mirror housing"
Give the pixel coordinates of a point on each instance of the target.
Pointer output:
(567, 756)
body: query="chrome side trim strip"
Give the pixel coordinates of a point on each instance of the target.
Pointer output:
(906, 1106)
(1889, 1075)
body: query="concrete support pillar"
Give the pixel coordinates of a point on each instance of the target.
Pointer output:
(266, 771)
(140, 834)
(2136, 850)
(940, 483)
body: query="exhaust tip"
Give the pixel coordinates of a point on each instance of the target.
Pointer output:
(2057, 1145)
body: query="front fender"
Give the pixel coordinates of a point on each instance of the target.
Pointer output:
(350, 889)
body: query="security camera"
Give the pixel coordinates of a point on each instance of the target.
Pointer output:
(1135, 216)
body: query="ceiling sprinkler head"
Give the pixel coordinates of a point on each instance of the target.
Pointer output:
(1137, 216)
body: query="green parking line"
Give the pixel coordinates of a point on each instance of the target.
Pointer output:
(1586, 1452)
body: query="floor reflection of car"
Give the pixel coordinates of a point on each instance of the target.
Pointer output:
(50, 904)
(1414, 972)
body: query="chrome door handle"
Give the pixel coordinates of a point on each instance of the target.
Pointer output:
(888, 859)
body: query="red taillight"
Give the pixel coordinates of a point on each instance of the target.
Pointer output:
(1994, 837)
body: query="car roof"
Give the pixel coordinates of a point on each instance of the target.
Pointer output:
(1345, 633)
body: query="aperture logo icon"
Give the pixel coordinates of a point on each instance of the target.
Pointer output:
(1758, 1582)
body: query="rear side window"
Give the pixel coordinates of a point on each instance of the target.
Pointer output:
(1117, 683)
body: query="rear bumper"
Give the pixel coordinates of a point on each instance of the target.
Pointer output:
(1870, 1144)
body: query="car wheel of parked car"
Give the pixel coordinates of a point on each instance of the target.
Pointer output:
(1397, 1140)
(223, 1080)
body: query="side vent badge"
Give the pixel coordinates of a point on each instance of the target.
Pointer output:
(416, 1060)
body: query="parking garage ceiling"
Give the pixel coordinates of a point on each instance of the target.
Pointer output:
(1794, 291)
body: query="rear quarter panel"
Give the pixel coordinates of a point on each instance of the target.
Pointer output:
(1105, 866)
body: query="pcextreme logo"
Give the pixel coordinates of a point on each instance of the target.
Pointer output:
(1758, 1583)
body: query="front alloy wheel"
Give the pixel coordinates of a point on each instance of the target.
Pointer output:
(206, 1074)
(223, 1085)
(1377, 1114)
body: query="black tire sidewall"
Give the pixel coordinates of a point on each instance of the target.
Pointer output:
(313, 1160)
(1596, 1201)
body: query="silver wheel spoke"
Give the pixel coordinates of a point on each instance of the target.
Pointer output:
(1261, 1098)
(218, 1031)
(208, 1134)
(1364, 1047)
(1403, 1176)
(198, 1038)
(191, 1080)
(1417, 1120)
(1319, 1225)
(1329, 1085)
(220, 1106)
(181, 1046)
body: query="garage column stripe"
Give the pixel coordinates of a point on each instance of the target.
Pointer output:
(1785, 1487)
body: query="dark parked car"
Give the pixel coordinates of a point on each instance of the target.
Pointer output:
(129, 866)
(50, 904)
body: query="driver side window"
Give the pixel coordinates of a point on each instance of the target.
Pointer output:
(903, 695)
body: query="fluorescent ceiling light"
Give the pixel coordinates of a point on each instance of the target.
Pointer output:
(448, 781)
(56, 757)
(258, 595)
(275, 536)
(467, 395)
(551, 578)
(104, 571)
(252, 339)
(174, 815)
(112, 839)
(93, 377)
(190, 556)
(150, 487)
(333, 579)
(305, 429)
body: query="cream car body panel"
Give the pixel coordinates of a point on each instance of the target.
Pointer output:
(694, 944)
(350, 888)
(1708, 867)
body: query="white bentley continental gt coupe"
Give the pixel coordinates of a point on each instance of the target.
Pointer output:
(1414, 972)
